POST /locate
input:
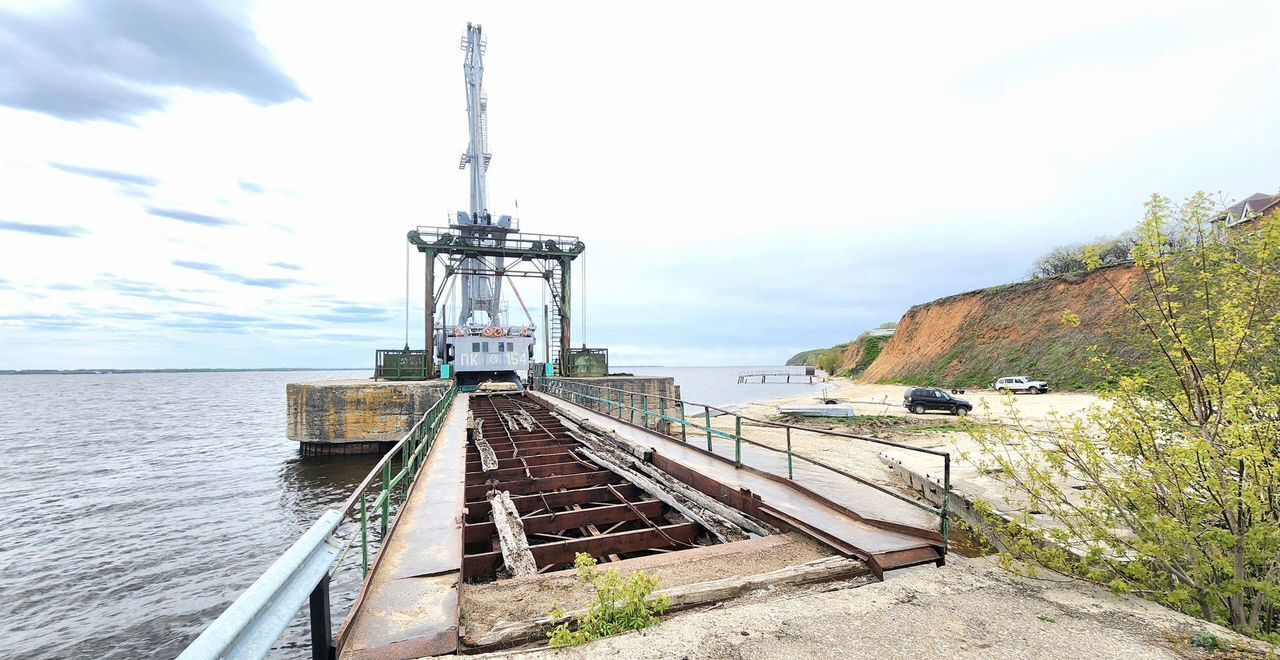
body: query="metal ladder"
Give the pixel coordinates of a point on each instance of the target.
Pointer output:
(554, 330)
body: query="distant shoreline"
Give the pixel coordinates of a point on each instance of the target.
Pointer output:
(91, 372)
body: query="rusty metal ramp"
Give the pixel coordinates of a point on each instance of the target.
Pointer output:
(540, 490)
(409, 604)
(855, 517)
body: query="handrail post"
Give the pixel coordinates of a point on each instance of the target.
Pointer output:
(790, 475)
(631, 405)
(364, 535)
(386, 497)
(946, 500)
(684, 426)
(706, 412)
(321, 627)
(737, 440)
(644, 410)
(663, 425)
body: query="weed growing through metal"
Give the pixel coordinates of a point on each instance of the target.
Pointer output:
(621, 604)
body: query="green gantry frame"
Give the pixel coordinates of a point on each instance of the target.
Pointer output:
(544, 256)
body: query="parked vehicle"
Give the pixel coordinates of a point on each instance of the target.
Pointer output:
(920, 400)
(1021, 384)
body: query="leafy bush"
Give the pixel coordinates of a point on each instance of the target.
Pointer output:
(621, 604)
(1206, 640)
(1181, 469)
(1075, 258)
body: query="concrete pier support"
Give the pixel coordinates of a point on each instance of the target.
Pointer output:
(356, 416)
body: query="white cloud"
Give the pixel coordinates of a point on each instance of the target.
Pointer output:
(791, 176)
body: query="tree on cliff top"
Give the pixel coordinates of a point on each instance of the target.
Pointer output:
(1172, 490)
(1075, 258)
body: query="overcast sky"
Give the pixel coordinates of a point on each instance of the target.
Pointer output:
(212, 184)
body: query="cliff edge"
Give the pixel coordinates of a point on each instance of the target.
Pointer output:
(972, 338)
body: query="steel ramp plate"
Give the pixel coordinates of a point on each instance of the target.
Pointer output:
(409, 606)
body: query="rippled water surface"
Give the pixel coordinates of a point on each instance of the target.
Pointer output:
(136, 507)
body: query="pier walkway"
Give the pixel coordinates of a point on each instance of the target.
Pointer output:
(409, 604)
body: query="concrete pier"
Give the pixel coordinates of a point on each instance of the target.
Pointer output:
(366, 416)
(356, 416)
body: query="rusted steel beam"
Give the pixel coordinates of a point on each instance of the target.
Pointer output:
(526, 486)
(501, 444)
(552, 470)
(562, 552)
(558, 522)
(556, 500)
(538, 459)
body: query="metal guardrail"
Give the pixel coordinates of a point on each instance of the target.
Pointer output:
(251, 625)
(400, 364)
(669, 412)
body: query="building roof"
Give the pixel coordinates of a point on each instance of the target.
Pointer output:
(1251, 207)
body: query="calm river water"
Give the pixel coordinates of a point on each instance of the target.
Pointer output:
(137, 506)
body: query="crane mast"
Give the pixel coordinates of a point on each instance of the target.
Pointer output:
(480, 292)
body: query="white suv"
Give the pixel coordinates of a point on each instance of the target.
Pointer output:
(1021, 384)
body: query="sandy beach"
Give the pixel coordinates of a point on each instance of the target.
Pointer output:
(932, 431)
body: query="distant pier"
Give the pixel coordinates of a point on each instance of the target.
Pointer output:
(810, 375)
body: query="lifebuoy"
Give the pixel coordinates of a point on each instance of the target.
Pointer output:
(524, 332)
(488, 332)
(457, 332)
(498, 332)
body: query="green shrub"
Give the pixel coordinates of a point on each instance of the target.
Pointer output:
(1206, 640)
(621, 604)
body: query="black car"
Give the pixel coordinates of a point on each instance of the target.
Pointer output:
(920, 400)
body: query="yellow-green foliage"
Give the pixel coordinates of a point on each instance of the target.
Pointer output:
(1172, 489)
(621, 604)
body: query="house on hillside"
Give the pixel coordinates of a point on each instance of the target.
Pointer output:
(1253, 207)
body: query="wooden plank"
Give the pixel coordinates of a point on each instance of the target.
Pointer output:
(488, 461)
(511, 536)
(508, 633)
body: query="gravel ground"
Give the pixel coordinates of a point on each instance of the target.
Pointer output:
(968, 609)
(523, 599)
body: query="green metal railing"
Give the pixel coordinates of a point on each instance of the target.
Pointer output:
(671, 417)
(396, 471)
